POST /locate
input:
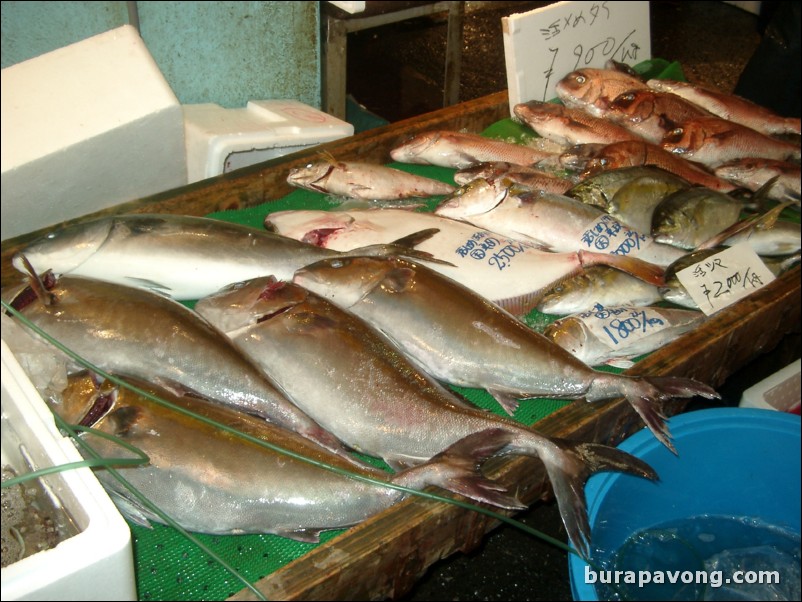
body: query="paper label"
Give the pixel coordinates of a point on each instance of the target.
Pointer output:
(618, 327)
(607, 235)
(724, 278)
(544, 45)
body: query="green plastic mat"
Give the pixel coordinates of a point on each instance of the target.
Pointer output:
(168, 566)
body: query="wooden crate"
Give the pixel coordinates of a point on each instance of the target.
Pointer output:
(384, 556)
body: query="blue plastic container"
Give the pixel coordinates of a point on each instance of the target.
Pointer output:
(734, 462)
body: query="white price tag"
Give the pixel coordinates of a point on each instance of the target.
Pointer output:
(544, 45)
(617, 327)
(724, 278)
(607, 235)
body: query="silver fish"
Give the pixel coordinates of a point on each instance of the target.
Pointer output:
(753, 173)
(568, 126)
(135, 333)
(314, 340)
(597, 285)
(731, 107)
(464, 339)
(181, 256)
(459, 150)
(210, 481)
(593, 90)
(558, 222)
(510, 272)
(606, 334)
(364, 181)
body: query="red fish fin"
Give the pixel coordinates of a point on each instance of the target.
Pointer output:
(648, 272)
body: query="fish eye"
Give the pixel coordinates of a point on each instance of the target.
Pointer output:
(338, 263)
(581, 79)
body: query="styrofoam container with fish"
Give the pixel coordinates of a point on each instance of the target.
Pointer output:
(721, 523)
(91, 557)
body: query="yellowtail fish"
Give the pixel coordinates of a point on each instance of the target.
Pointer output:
(353, 379)
(464, 339)
(459, 150)
(731, 107)
(364, 181)
(568, 126)
(510, 272)
(211, 481)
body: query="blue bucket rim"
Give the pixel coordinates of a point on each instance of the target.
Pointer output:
(644, 441)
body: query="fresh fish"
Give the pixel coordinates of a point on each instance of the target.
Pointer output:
(459, 150)
(688, 218)
(464, 339)
(597, 285)
(593, 90)
(605, 335)
(364, 181)
(601, 188)
(641, 153)
(522, 175)
(134, 333)
(768, 235)
(651, 114)
(415, 418)
(753, 173)
(210, 481)
(558, 222)
(713, 141)
(731, 107)
(509, 272)
(180, 256)
(569, 127)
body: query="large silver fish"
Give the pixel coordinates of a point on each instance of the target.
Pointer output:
(364, 181)
(352, 379)
(211, 481)
(459, 150)
(464, 339)
(181, 256)
(509, 272)
(607, 334)
(560, 223)
(135, 333)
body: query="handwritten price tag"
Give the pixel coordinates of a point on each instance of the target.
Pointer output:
(617, 327)
(546, 44)
(724, 278)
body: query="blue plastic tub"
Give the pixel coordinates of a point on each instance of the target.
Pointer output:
(732, 462)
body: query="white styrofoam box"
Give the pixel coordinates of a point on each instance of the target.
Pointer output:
(85, 127)
(219, 140)
(781, 391)
(97, 562)
(350, 7)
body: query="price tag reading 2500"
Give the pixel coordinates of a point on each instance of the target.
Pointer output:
(724, 278)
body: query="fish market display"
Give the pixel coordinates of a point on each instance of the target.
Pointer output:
(463, 339)
(210, 481)
(333, 361)
(181, 256)
(364, 181)
(730, 106)
(509, 272)
(559, 223)
(135, 333)
(459, 150)
(567, 126)
(605, 335)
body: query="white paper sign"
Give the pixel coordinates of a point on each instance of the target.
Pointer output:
(544, 45)
(724, 278)
(617, 327)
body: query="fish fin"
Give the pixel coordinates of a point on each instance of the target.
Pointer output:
(37, 282)
(507, 401)
(129, 508)
(619, 362)
(416, 238)
(456, 469)
(150, 285)
(642, 270)
(568, 471)
(764, 221)
(302, 535)
(402, 247)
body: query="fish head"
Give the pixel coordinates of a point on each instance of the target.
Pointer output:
(346, 280)
(633, 105)
(243, 304)
(683, 140)
(569, 334)
(312, 176)
(414, 149)
(308, 225)
(64, 250)
(478, 197)
(536, 111)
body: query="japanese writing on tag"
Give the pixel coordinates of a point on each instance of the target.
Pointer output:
(724, 278)
(607, 235)
(491, 250)
(620, 326)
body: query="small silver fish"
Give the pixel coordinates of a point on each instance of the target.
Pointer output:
(753, 173)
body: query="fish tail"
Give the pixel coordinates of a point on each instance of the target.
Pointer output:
(456, 469)
(569, 466)
(643, 270)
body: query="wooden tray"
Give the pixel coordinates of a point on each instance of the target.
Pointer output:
(384, 556)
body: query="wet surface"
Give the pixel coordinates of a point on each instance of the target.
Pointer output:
(396, 72)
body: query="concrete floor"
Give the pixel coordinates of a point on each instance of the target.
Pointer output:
(713, 41)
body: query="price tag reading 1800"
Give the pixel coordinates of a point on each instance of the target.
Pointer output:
(724, 278)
